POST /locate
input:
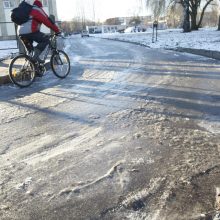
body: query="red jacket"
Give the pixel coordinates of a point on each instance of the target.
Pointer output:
(37, 17)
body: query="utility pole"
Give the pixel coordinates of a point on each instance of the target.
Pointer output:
(186, 23)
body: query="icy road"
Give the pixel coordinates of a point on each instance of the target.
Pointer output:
(132, 133)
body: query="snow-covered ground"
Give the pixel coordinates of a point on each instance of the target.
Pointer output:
(208, 38)
(5, 48)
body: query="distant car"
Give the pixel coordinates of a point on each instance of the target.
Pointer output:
(121, 31)
(84, 33)
(129, 30)
(134, 29)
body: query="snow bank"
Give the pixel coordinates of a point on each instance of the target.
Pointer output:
(206, 38)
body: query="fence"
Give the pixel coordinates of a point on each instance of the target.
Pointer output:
(8, 32)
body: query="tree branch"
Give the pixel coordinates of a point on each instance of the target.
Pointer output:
(203, 11)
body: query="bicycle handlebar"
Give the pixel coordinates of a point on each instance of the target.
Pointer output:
(56, 35)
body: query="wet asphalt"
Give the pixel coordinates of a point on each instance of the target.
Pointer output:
(132, 133)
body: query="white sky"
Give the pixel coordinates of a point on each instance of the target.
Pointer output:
(68, 9)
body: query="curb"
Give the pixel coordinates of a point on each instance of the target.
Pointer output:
(4, 80)
(3, 58)
(201, 52)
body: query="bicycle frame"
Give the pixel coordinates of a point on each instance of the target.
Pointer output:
(52, 46)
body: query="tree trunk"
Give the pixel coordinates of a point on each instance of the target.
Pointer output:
(219, 23)
(194, 25)
(186, 23)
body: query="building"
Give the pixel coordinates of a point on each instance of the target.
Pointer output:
(146, 22)
(7, 28)
(105, 28)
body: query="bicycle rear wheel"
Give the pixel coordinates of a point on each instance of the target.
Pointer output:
(22, 71)
(60, 64)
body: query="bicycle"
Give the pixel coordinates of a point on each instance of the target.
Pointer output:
(23, 69)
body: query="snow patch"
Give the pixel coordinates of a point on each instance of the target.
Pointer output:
(109, 174)
(205, 38)
(25, 184)
(72, 145)
(211, 124)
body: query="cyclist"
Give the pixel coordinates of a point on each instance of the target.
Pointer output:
(30, 30)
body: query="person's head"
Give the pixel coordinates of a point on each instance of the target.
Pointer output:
(38, 3)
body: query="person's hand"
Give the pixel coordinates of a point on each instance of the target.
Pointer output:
(58, 34)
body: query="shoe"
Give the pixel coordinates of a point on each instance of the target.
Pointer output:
(37, 74)
(39, 70)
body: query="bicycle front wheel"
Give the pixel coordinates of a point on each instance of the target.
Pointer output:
(60, 64)
(22, 71)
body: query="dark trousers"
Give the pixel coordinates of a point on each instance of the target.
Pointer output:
(39, 37)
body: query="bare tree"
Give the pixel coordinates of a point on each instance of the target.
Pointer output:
(193, 8)
(81, 12)
(211, 17)
(157, 6)
(175, 16)
(93, 11)
(113, 21)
